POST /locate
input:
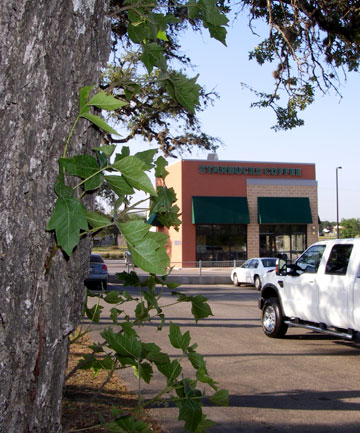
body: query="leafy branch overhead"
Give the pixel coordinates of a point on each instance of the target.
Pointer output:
(164, 101)
(70, 219)
(308, 43)
(311, 45)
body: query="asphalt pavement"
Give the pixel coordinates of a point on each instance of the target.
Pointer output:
(303, 383)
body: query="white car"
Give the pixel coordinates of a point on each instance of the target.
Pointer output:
(253, 271)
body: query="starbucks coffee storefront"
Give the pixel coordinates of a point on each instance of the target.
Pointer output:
(234, 210)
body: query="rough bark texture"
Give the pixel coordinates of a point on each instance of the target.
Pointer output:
(49, 49)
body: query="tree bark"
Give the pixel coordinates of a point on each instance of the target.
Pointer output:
(49, 49)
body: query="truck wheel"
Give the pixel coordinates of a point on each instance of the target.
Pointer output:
(272, 321)
(257, 282)
(236, 281)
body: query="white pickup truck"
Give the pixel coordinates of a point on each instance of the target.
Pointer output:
(321, 291)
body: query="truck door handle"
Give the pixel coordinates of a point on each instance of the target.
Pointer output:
(281, 283)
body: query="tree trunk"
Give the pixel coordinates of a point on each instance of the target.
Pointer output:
(49, 49)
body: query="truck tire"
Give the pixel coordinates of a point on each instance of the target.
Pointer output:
(272, 321)
(236, 281)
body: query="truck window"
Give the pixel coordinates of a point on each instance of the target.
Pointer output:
(310, 260)
(338, 260)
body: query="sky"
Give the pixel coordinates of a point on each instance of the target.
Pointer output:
(329, 137)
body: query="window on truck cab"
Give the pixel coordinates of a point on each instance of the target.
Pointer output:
(338, 261)
(309, 262)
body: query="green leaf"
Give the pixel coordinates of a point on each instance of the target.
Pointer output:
(171, 370)
(153, 56)
(83, 98)
(124, 345)
(93, 313)
(127, 424)
(212, 14)
(202, 376)
(178, 340)
(141, 313)
(82, 166)
(160, 170)
(130, 279)
(95, 219)
(193, 9)
(67, 220)
(162, 35)
(220, 398)
(147, 157)
(131, 89)
(143, 371)
(197, 360)
(142, 32)
(184, 90)
(159, 237)
(107, 150)
(113, 297)
(128, 328)
(218, 33)
(153, 353)
(134, 231)
(119, 185)
(94, 182)
(63, 190)
(97, 365)
(149, 257)
(200, 308)
(114, 315)
(163, 201)
(99, 122)
(132, 169)
(190, 412)
(125, 151)
(106, 102)
(171, 218)
(204, 425)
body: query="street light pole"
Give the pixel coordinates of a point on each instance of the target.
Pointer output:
(337, 202)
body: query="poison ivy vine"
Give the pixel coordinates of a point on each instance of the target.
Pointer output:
(124, 173)
(122, 347)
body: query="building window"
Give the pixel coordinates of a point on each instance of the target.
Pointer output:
(287, 239)
(219, 242)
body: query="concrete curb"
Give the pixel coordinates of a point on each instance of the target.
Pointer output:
(187, 279)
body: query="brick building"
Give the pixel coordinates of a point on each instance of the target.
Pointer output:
(233, 210)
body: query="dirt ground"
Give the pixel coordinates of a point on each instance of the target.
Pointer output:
(83, 408)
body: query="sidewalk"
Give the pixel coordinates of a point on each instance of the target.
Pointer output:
(179, 275)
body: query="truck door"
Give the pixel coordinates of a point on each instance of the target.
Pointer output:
(336, 286)
(301, 290)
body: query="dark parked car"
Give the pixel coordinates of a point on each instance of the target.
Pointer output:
(98, 273)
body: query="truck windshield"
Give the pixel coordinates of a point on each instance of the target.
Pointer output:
(310, 260)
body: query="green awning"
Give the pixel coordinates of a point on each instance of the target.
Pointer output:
(154, 220)
(220, 210)
(284, 210)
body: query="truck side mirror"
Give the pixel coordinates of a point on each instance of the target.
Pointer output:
(281, 266)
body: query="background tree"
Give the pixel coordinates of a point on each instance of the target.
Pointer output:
(312, 44)
(350, 228)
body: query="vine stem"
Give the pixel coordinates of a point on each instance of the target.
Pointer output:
(70, 135)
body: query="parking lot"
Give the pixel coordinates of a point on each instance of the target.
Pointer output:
(306, 382)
